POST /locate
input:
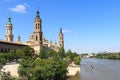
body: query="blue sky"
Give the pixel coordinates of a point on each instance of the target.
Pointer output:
(88, 25)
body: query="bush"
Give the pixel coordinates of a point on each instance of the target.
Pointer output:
(43, 69)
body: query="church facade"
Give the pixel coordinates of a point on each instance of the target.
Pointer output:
(35, 41)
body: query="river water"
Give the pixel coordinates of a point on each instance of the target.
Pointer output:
(99, 69)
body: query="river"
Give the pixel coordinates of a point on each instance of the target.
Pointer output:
(99, 69)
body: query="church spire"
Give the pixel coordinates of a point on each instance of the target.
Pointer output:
(61, 39)
(9, 20)
(37, 14)
(61, 31)
(19, 39)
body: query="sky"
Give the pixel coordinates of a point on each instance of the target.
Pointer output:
(89, 26)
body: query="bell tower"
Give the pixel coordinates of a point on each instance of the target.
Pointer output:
(61, 39)
(19, 39)
(9, 34)
(38, 29)
(37, 32)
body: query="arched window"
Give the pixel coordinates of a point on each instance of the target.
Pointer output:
(5, 50)
(36, 38)
(8, 50)
(1, 49)
(36, 26)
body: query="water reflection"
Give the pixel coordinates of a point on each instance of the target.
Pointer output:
(100, 69)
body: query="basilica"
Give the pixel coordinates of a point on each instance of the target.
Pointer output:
(35, 41)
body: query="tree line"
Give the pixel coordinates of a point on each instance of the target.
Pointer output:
(109, 56)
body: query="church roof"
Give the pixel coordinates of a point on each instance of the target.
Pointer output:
(14, 43)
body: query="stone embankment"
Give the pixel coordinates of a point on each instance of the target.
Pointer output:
(73, 69)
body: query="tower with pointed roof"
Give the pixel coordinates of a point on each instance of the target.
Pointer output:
(37, 32)
(9, 34)
(19, 39)
(61, 39)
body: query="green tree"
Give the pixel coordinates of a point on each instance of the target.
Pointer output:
(25, 69)
(20, 53)
(77, 60)
(3, 61)
(28, 52)
(43, 54)
(43, 69)
(69, 55)
(61, 53)
(52, 53)
(11, 55)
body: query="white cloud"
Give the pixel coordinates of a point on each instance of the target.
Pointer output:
(66, 30)
(19, 8)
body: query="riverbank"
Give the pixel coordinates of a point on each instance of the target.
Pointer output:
(73, 70)
(13, 68)
(73, 73)
(115, 56)
(75, 77)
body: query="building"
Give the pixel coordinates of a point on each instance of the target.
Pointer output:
(36, 40)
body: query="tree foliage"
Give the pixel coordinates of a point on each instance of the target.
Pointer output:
(28, 52)
(108, 56)
(7, 76)
(48, 65)
(43, 54)
(77, 60)
(61, 53)
(43, 69)
(72, 56)
(52, 53)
